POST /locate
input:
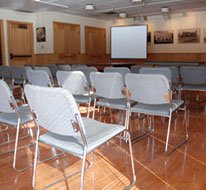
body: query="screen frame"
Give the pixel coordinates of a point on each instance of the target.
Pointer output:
(128, 26)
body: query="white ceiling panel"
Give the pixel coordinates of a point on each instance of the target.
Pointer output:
(105, 9)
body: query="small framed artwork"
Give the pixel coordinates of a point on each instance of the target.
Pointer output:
(163, 37)
(41, 34)
(191, 35)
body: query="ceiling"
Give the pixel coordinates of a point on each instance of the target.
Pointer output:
(105, 9)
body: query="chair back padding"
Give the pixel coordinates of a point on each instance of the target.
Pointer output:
(122, 70)
(5, 72)
(44, 69)
(6, 98)
(38, 77)
(87, 71)
(64, 67)
(148, 88)
(74, 66)
(157, 70)
(18, 73)
(193, 75)
(107, 85)
(54, 108)
(74, 81)
(53, 69)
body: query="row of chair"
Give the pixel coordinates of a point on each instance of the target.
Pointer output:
(55, 110)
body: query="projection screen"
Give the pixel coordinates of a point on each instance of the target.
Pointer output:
(129, 42)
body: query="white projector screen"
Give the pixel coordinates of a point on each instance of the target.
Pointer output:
(129, 42)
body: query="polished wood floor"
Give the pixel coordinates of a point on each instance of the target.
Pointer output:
(184, 169)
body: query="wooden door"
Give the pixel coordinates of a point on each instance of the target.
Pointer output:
(67, 42)
(20, 43)
(95, 44)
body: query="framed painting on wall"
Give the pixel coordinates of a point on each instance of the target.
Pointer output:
(204, 35)
(164, 37)
(191, 35)
(41, 34)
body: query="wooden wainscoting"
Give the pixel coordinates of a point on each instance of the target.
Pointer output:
(87, 59)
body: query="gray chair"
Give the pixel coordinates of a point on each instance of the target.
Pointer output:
(14, 116)
(53, 69)
(74, 66)
(87, 71)
(39, 78)
(108, 89)
(5, 72)
(193, 79)
(76, 83)
(70, 132)
(157, 70)
(153, 94)
(18, 75)
(136, 68)
(48, 72)
(122, 70)
(64, 67)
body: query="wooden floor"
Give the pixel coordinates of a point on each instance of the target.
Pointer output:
(184, 169)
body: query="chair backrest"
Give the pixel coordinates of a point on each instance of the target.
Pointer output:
(122, 70)
(87, 71)
(136, 68)
(39, 78)
(193, 75)
(18, 73)
(53, 69)
(55, 109)
(5, 72)
(74, 66)
(28, 67)
(74, 81)
(157, 70)
(148, 88)
(64, 67)
(175, 73)
(107, 85)
(6, 98)
(44, 69)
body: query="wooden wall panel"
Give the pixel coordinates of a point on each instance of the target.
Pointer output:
(2, 43)
(85, 59)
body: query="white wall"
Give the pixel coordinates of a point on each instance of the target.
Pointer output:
(46, 19)
(7, 15)
(176, 22)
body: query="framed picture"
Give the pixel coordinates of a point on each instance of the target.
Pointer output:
(41, 34)
(189, 35)
(163, 37)
(204, 35)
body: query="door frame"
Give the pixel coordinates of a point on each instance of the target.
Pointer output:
(9, 39)
(3, 52)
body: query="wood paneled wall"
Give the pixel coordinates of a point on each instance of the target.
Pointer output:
(87, 59)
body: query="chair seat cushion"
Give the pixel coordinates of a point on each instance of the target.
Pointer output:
(113, 103)
(11, 118)
(82, 98)
(194, 87)
(97, 133)
(161, 110)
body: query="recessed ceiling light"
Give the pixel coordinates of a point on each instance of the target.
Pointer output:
(89, 7)
(122, 15)
(165, 9)
(136, 1)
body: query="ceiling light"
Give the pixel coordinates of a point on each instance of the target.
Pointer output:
(165, 10)
(137, 1)
(89, 7)
(122, 15)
